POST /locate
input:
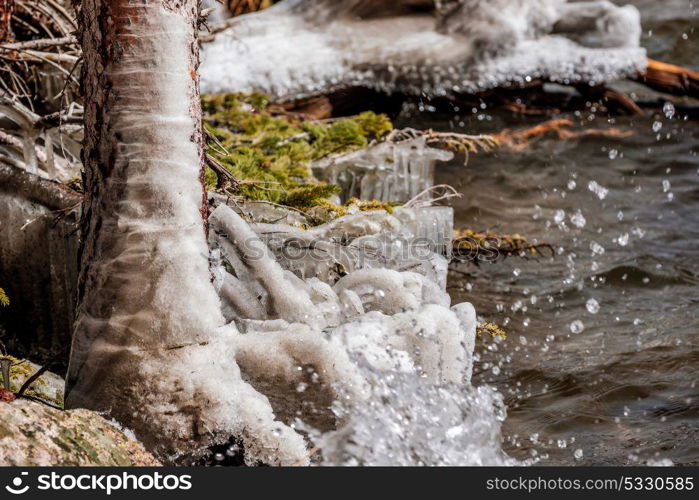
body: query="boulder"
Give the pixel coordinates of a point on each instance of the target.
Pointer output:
(34, 434)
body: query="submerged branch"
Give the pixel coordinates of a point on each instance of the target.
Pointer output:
(477, 247)
(520, 139)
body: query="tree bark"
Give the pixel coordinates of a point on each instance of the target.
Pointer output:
(145, 294)
(6, 9)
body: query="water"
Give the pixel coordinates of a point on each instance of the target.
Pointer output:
(612, 352)
(601, 365)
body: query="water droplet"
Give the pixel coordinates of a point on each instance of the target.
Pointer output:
(592, 306)
(577, 326)
(598, 189)
(578, 219)
(623, 239)
(657, 126)
(571, 184)
(523, 340)
(516, 271)
(559, 216)
(666, 185)
(637, 231)
(301, 387)
(561, 443)
(496, 370)
(613, 153)
(669, 110)
(596, 248)
(578, 454)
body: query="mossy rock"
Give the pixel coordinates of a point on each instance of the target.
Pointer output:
(271, 152)
(33, 434)
(49, 387)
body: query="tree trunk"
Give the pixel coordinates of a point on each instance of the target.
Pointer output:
(146, 301)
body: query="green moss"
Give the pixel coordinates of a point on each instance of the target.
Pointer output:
(270, 151)
(304, 197)
(4, 299)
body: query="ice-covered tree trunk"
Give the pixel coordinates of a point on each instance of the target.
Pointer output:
(147, 308)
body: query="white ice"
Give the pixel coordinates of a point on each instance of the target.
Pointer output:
(301, 47)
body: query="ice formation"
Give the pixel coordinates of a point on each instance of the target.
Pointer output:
(417, 240)
(186, 362)
(371, 332)
(384, 171)
(49, 152)
(206, 361)
(446, 425)
(300, 47)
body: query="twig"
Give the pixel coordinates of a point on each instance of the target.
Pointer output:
(41, 43)
(449, 192)
(39, 400)
(27, 383)
(222, 172)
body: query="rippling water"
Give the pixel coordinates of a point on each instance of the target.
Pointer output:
(601, 365)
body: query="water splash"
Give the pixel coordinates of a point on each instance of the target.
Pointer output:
(409, 421)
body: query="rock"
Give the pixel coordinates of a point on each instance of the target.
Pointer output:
(33, 434)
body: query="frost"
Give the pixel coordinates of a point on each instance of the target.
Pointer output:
(303, 46)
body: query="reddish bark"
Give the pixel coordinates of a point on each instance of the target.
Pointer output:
(6, 9)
